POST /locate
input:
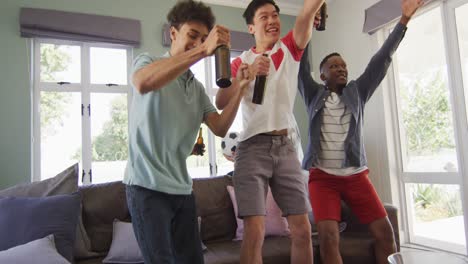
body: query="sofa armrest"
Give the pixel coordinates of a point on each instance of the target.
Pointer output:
(392, 212)
(354, 226)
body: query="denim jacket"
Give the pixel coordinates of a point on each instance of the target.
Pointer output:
(355, 95)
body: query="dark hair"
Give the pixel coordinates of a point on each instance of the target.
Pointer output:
(249, 13)
(326, 59)
(187, 11)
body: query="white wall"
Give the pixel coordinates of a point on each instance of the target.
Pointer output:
(344, 35)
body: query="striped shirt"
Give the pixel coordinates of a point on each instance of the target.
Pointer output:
(334, 130)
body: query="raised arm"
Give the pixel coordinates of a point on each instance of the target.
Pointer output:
(408, 8)
(225, 94)
(161, 72)
(220, 123)
(378, 65)
(260, 66)
(307, 86)
(305, 21)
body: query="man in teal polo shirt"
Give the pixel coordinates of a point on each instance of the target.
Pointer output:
(168, 107)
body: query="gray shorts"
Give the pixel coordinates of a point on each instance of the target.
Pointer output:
(265, 160)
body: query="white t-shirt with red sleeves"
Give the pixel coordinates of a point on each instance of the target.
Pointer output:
(276, 112)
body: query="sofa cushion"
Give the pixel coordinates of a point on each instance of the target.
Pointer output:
(40, 251)
(275, 224)
(96, 260)
(276, 250)
(66, 182)
(24, 219)
(215, 208)
(102, 203)
(82, 248)
(357, 248)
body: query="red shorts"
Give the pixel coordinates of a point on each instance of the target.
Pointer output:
(326, 192)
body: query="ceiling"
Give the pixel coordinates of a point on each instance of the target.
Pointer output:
(288, 7)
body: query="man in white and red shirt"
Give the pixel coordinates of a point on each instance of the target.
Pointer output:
(266, 156)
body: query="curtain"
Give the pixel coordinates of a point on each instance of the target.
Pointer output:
(55, 24)
(240, 41)
(382, 13)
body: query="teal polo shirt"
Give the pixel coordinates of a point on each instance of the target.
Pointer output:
(163, 128)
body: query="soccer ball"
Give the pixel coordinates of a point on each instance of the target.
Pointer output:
(229, 143)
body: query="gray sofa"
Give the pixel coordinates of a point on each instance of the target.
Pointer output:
(102, 203)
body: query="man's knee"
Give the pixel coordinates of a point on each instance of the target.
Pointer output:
(300, 229)
(254, 228)
(329, 234)
(382, 231)
(329, 239)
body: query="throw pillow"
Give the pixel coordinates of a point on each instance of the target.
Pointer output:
(40, 251)
(124, 247)
(24, 219)
(66, 182)
(275, 224)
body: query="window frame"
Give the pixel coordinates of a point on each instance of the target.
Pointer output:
(460, 125)
(211, 91)
(85, 88)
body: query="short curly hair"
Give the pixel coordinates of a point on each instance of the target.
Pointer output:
(322, 63)
(187, 11)
(249, 12)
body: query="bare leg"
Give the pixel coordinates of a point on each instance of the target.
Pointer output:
(329, 238)
(301, 237)
(382, 231)
(254, 233)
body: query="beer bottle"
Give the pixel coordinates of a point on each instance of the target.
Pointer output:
(259, 87)
(200, 138)
(223, 66)
(323, 17)
(199, 147)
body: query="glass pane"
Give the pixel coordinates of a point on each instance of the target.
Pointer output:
(225, 165)
(109, 134)
(60, 63)
(426, 114)
(461, 14)
(198, 69)
(437, 212)
(60, 123)
(108, 66)
(199, 166)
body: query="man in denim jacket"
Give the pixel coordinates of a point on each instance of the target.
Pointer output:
(335, 155)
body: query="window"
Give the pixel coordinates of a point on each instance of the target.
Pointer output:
(213, 163)
(81, 99)
(431, 126)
